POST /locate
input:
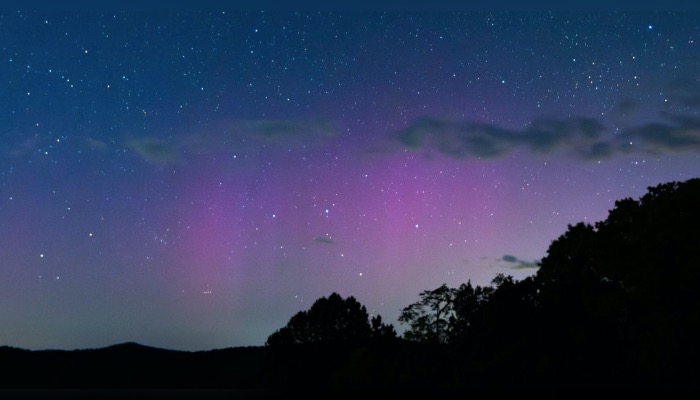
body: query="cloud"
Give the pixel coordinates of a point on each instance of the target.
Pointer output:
(625, 107)
(324, 239)
(585, 138)
(237, 134)
(232, 136)
(97, 144)
(285, 129)
(516, 263)
(488, 141)
(679, 133)
(685, 91)
(509, 258)
(154, 150)
(26, 147)
(629, 128)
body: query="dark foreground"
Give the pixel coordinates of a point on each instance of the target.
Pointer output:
(398, 367)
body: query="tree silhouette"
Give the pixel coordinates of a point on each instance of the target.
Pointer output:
(429, 318)
(469, 302)
(625, 291)
(615, 304)
(331, 320)
(380, 330)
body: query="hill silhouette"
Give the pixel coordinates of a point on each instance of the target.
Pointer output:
(613, 306)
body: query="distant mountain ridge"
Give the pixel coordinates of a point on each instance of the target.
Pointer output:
(134, 346)
(125, 346)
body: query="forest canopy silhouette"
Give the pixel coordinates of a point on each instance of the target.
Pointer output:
(615, 304)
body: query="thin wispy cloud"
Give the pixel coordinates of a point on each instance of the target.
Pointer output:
(585, 138)
(232, 136)
(154, 150)
(324, 240)
(674, 129)
(514, 262)
(487, 141)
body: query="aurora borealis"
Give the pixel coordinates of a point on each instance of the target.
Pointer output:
(190, 180)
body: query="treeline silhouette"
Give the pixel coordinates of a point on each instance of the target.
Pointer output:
(613, 306)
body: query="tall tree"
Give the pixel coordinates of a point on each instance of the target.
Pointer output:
(468, 316)
(429, 318)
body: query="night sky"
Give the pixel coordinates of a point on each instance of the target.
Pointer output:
(191, 180)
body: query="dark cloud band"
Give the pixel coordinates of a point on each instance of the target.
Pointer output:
(585, 138)
(516, 263)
